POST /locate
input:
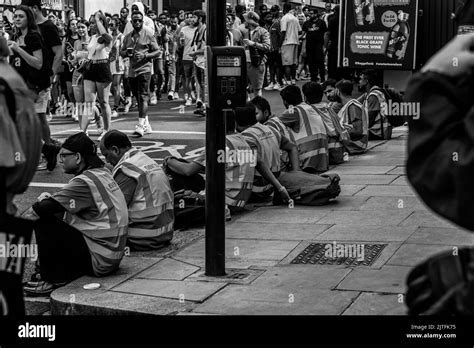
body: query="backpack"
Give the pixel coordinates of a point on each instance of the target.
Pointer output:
(189, 209)
(19, 101)
(396, 98)
(309, 189)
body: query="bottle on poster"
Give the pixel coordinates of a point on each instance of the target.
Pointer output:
(399, 37)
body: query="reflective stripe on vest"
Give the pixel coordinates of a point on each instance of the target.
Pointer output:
(380, 120)
(105, 235)
(311, 140)
(360, 145)
(269, 141)
(151, 212)
(278, 125)
(240, 173)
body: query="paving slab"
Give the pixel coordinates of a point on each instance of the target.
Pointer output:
(115, 303)
(414, 254)
(294, 278)
(283, 215)
(394, 203)
(354, 179)
(382, 191)
(352, 232)
(340, 204)
(389, 279)
(245, 230)
(399, 170)
(171, 289)
(376, 304)
(229, 263)
(169, 269)
(377, 161)
(443, 236)
(244, 249)
(374, 218)
(401, 181)
(350, 190)
(361, 170)
(388, 147)
(250, 300)
(427, 219)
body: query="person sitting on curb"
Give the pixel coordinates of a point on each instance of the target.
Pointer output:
(267, 142)
(82, 228)
(240, 168)
(307, 128)
(375, 103)
(337, 135)
(147, 192)
(354, 118)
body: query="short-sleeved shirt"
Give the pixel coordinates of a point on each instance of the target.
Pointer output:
(34, 78)
(291, 25)
(51, 38)
(188, 32)
(144, 42)
(314, 33)
(76, 198)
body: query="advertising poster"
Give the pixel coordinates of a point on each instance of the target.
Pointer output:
(378, 34)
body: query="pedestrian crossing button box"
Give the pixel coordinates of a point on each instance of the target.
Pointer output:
(227, 77)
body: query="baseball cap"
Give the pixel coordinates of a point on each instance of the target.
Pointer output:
(81, 143)
(32, 3)
(251, 17)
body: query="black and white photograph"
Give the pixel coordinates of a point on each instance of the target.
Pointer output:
(190, 169)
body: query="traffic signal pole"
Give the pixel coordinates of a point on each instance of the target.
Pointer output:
(215, 141)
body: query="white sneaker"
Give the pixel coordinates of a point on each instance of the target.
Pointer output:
(186, 96)
(115, 114)
(189, 102)
(49, 117)
(139, 130)
(43, 164)
(276, 87)
(175, 96)
(270, 87)
(147, 128)
(170, 96)
(128, 105)
(101, 135)
(75, 117)
(153, 99)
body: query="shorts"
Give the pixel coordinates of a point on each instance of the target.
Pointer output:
(99, 73)
(188, 66)
(289, 55)
(42, 100)
(256, 75)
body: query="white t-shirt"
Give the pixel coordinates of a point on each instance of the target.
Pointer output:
(291, 25)
(188, 32)
(98, 51)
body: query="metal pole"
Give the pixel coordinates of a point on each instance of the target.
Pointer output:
(215, 141)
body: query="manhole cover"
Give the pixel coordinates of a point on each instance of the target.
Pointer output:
(349, 254)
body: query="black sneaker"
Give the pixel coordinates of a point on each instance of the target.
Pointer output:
(200, 113)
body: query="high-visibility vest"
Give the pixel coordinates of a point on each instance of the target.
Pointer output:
(337, 135)
(106, 234)
(240, 171)
(268, 143)
(311, 139)
(151, 211)
(278, 125)
(360, 145)
(381, 127)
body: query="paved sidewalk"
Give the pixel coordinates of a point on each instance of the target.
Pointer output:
(376, 206)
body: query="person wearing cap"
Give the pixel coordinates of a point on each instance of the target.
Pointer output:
(257, 45)
(82, 228)
(146, 189)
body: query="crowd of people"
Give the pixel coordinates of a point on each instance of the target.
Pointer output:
(130, 200)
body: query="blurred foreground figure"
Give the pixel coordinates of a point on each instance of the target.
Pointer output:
(440, 167)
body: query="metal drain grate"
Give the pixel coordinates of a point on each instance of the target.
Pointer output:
(238, 275)
(330, 254)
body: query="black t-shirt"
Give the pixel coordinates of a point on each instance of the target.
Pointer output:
(314, 33)
(35, 79)
(51, 38)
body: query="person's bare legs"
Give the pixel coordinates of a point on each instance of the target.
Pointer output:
(103, 93)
